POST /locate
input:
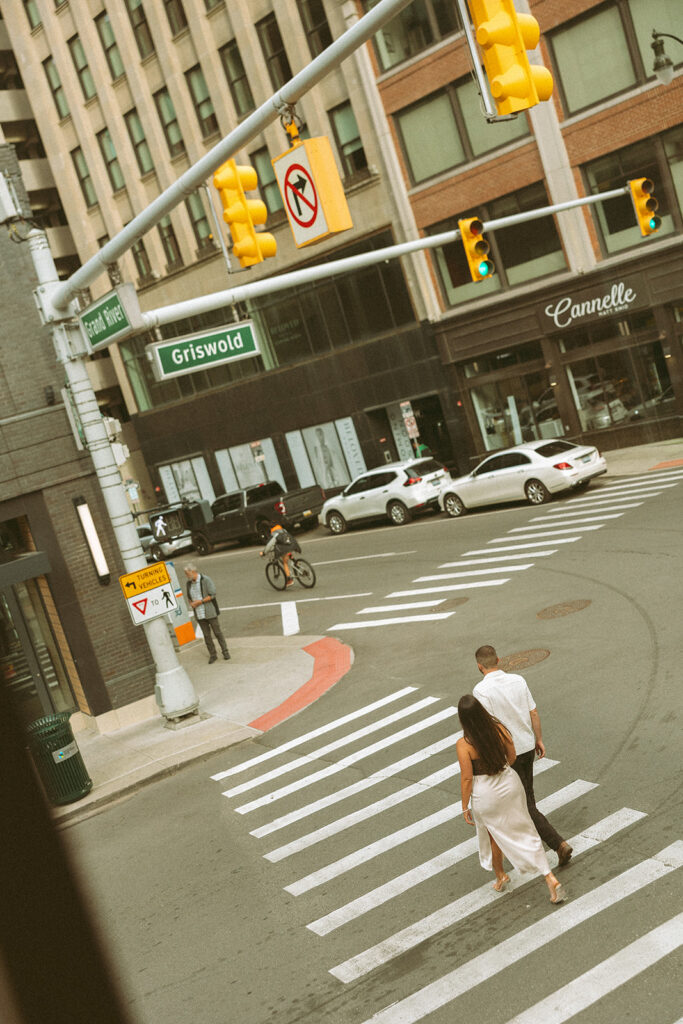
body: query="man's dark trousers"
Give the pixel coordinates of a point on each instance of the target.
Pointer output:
(206, 625)
(524, 766)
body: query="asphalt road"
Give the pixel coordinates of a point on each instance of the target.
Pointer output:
(356, 873)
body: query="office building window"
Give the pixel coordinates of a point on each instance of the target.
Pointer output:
(661, 160)
(211, 5)
(199, 221)
(138, 21)
(109, 45)
(32, 13)
(82, 68)
(169, 243)
(238, 83)
(420, 25)
(274, 51)
(203, 106)
(446, 129)
(169, 122)
(175, 12)
(138, 141)
(142, 261)
(314, 20)
(83, 175)
(267, 182)
(56, 87)
(111, 161)
(348, 141)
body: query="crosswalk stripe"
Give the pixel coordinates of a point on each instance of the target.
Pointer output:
(572, 529)
(342, 741)
(358, 787)
(401, 607)
(472, 572)
(403, 835)
(457, 910)
(501, 558)
(519, 547)
(466, 977)
(628, 495)
(332, 769)
(625, 488)
(587, 511)
(560, 518)
(399, 620)
(607, 976)
(451, 586)
(363, 813)
(328, 727)
(660, 474)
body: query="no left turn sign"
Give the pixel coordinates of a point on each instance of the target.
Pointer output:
(300, 195)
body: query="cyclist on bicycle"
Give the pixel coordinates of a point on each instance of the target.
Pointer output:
(283, 544)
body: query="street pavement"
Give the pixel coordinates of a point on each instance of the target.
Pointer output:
(268, 679)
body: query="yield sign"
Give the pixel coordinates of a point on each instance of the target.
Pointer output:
(300, 195)
(141, 605)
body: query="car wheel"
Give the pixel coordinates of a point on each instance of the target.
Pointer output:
(453, 505)
(336, 522)
(398, 513)
(201, 544)
(536, 492)
(263, 531)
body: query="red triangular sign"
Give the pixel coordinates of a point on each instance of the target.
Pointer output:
(140, 605)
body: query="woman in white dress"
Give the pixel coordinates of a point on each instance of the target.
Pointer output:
(499, 810)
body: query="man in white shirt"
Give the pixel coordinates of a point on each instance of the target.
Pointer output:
(507, 697)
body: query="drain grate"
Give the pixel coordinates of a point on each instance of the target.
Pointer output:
(522, 659)
(556, 611)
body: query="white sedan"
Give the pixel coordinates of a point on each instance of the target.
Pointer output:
(532, 471)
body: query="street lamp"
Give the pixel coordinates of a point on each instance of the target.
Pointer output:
(663, 66)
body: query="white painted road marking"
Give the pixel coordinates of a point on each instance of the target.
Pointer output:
(452, 586)
(290, 618)
(397, 621)
(401, 607)
(472, 572)
(500, 558)
(360, 558)
(518, 547)
(302, 600)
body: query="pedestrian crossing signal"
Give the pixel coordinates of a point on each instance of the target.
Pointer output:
(645, 205)
(476, 248)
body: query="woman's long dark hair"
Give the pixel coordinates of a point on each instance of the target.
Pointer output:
(482, 730)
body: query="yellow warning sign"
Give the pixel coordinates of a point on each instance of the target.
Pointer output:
(149, 578)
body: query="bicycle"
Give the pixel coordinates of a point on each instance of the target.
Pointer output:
(299, 569)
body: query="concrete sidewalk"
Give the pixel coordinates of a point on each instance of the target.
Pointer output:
(267, 680)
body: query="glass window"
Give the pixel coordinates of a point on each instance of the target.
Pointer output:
(238, 82)
(420, 25)
(430, 137)
(110, 158)
(108, 40)
(175, 12)
(199, 221)
(170, 245)
(32, 13)
(314, 20)
(142, 261)
(274, 51)
(169, 122)
(621, 386)
(83, 175)
(481, 135)
(82, 69)
(593, 59)
(139, 142)
(531, 249)
(138, 20)
(348, 140)
(211, 5)
(206, 116)
(656, 14)
(56, 87)
(673, 153)
(267, 182)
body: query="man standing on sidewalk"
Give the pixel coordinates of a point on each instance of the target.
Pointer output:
(201, 596)
(506, 696)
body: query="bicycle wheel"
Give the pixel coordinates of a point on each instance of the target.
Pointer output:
(303, 572)
(275, 575)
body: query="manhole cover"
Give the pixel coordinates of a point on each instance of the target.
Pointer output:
(556, 611)
(522, 659)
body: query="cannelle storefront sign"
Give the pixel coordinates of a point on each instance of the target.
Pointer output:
(575, 309)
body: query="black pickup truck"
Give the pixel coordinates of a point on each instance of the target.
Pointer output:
(247, 515)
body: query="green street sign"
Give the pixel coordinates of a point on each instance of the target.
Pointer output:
(111, 318)
(202, 351)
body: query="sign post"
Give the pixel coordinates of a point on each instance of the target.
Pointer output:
(112, 318)
(201, 351)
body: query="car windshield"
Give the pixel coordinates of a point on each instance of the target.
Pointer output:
(553, 448)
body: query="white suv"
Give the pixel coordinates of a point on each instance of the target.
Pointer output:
(395, 491)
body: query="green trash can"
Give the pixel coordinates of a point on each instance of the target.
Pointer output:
(58, 759)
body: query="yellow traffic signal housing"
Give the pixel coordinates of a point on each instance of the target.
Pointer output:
(645, 205)
(476, 248)
(504, 35)
(241, 214)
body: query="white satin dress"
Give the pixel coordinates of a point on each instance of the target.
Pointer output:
(499, 807)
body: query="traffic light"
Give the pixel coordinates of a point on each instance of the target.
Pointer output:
(504, 35)
(645, 205)
(241, 214)
(476, 248)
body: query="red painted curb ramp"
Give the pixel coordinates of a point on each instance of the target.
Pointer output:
(332, 660)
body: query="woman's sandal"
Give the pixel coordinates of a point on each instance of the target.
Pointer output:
(560, 894)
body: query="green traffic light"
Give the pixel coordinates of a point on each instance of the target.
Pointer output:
(484, 268)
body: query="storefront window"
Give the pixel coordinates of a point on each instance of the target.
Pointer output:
(248, 465)
(516, 410)
(188, 479)
(620, 387)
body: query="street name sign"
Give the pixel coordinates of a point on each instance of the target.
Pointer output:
(113, 317)
(312, 191)
(204, 350)
(148, 593)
